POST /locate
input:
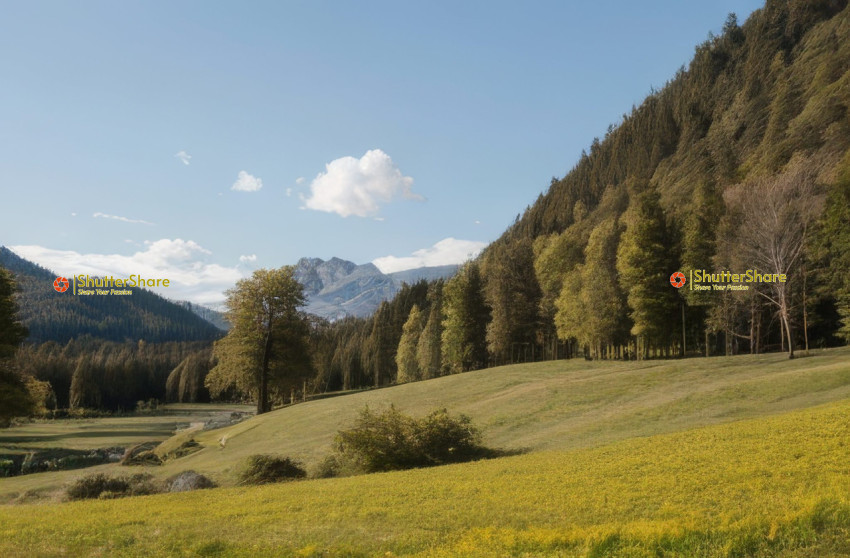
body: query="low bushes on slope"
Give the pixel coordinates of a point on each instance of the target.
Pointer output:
(391, 441)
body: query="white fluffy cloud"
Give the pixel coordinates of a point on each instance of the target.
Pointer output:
(99, 215)
(246, 183)
(251, 258)
(184, 262)
(446, 252)
(184, 157)
(351, 186)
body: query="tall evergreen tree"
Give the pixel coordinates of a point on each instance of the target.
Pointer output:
(15, 399)
(832, 247)
(428, 350)
(645, 263)
(465, 323)
(514, 296)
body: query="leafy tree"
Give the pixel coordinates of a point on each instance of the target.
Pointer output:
(465, 323)
(408, 365)
(592, 307)
(265, 349)
(571, 311)
(85, 389)
(185, 384)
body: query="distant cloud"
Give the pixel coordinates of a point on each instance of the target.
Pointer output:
(351, 186)
(73, 214)
(288, 192)
(119, 218)
(183, 156)
(446, 252)
(248, 259)
(300, 180)
(184, 262)
(477, 222)
(246, 183)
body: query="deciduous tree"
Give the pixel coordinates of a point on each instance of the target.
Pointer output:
(266, 350)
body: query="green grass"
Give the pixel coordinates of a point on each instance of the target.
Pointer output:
(552, 405)
(774, 486)
(94, 433)
(103, 432)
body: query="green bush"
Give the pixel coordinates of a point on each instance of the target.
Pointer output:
(264, 469)
(392, 441)
(100, 485)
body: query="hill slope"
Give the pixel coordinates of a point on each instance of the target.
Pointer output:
(551, 405)
(774, 486)
(558, 405)
(52, 316)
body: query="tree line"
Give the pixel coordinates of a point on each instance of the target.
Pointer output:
(742, 161)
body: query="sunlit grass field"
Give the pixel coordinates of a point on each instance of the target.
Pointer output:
(774, 486)
(559, 405)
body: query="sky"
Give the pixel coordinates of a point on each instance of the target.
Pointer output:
(199, 140)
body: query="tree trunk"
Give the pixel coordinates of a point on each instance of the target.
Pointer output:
(785, 319)
(263, 396)
(805, 312)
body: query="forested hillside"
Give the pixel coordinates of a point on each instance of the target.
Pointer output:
(60, 317)
(756, 124)
(741, 161)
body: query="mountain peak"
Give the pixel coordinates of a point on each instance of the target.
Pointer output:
(338, 288)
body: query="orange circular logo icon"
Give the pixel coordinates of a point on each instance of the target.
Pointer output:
(678, 279)
(60, 284)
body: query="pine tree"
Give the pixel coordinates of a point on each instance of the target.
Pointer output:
(514, 296)
(645, 263)
(428, 350)
(15, 399)
(832, 246)
(464, 342)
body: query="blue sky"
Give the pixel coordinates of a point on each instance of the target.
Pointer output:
(202, 140)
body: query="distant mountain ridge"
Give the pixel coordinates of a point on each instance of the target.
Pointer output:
(53, 316)
(338, 288)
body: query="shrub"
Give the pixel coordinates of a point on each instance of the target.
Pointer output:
(188, 480)
(392, 441)
(327, 468)
(442, 438)
(264, 469)
(100, 485)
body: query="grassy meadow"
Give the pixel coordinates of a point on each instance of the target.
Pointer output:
(774, 486)
(738, 456)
